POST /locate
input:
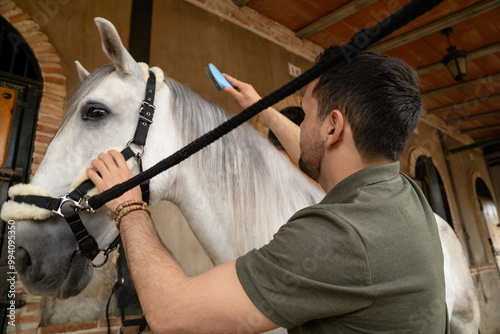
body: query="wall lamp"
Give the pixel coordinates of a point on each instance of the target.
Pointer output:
(455, 60)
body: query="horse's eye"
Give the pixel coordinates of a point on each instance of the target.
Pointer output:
(95, 114)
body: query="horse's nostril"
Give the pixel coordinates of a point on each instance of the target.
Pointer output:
(23, 263)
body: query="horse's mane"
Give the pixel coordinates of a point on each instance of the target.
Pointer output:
(246, 172)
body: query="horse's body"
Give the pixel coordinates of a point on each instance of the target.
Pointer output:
(235, 194)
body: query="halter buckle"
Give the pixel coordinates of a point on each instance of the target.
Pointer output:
(80, 205)
(146, 103)
(63, 200)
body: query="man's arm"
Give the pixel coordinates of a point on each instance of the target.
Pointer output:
(213, 302)
(287, 132)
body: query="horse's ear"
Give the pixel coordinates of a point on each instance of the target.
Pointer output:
(114, 49)
(82, 72)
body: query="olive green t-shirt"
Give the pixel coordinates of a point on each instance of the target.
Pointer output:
(366, 259)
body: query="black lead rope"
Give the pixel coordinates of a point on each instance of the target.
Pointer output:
(123, 282)
(362, 40)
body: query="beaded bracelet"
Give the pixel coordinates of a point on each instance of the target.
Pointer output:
(125, 211)
(113, 214)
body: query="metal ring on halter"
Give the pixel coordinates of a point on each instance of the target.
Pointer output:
(138, 155)
(112, 246)
(106, 254)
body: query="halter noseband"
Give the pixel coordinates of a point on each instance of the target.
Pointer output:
(68, 206)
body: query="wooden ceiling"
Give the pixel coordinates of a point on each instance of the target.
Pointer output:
(470, 108)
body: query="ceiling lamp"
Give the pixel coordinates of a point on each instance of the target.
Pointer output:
(455, 60)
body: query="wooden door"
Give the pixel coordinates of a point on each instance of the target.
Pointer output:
(7, 103)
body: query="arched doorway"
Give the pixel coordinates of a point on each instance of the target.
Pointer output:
(20, 91)
(431, 183)
(489, 214)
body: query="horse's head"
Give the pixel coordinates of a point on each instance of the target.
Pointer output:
(102, 115)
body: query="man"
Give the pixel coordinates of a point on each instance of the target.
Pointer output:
(365, 259)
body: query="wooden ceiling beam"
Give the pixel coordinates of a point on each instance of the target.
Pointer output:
(241, 3)
(473, 118)
(470, 56)
(486, 128)
(249, 19)
(482, 143)
(333, 17)
(463, 105)
(467, 84)
(447, 21)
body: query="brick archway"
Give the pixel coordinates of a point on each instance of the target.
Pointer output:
(51, 110)
(476, 204)
(53, 101)
(415, 153)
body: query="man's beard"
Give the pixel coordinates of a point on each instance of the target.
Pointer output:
(311, 158)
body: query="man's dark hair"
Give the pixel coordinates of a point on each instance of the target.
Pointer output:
(380, 98)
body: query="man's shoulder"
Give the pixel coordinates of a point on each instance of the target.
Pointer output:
(322, 219)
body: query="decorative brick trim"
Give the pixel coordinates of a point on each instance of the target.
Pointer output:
(417, 151)
(89, 327)
(94, 327)
(53, 101)
(476, 205)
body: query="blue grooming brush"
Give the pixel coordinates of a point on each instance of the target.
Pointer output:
(217, 78)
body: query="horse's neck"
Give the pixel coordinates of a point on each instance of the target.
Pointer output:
(228, 219)
(208, 216)
(237, 193)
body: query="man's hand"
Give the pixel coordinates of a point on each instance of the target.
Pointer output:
(244, 94)
(287, 132)
(113, 169)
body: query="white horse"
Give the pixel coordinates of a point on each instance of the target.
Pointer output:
(235, 194)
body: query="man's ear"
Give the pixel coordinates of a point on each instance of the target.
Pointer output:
(335, 126)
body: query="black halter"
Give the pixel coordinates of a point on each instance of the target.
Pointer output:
(69, 205)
